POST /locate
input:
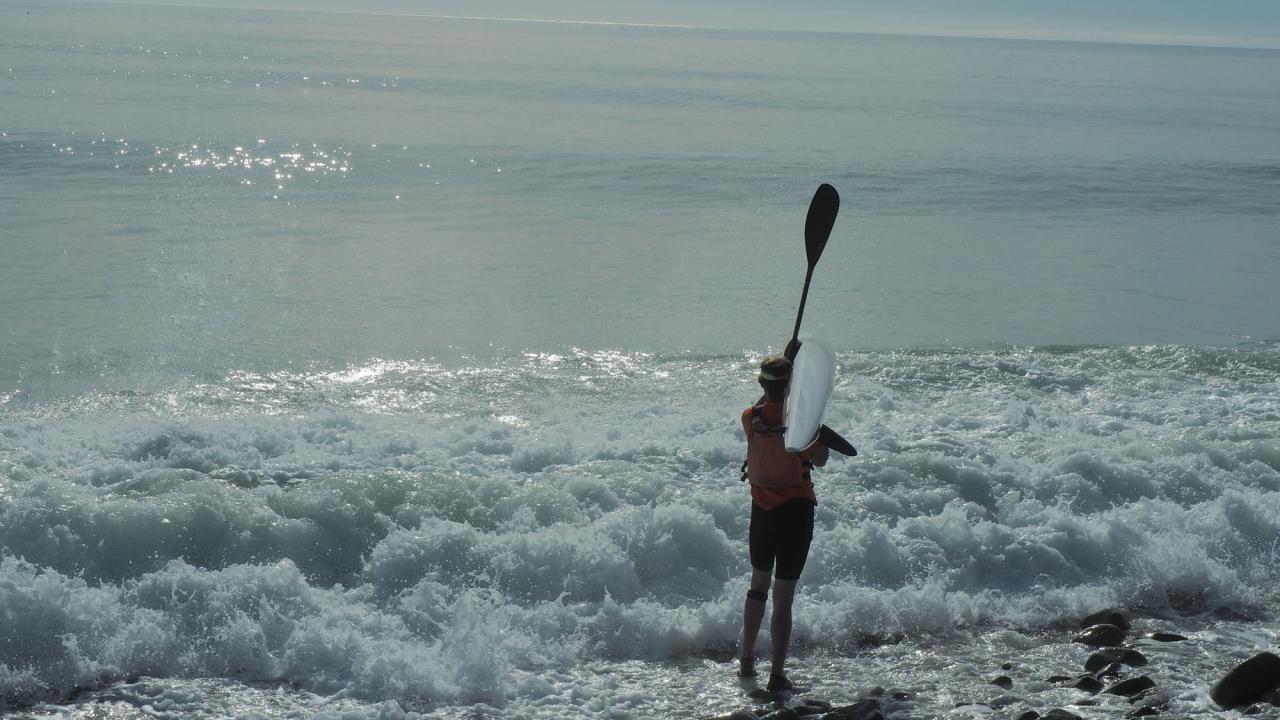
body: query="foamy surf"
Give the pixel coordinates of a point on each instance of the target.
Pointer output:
(547, 534)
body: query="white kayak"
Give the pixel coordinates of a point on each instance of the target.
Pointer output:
(813, 375)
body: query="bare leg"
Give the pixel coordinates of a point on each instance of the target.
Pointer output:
(784, 591)
(753, 615)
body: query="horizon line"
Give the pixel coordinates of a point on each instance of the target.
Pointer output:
(1171, 41)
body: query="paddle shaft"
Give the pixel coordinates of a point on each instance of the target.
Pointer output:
(804, 296)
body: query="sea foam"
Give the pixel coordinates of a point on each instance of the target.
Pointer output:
(352, 532)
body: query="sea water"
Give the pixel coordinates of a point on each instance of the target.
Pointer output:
(353, 366)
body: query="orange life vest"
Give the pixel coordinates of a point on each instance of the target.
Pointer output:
(768, 463)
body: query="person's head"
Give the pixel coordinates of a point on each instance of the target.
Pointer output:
(775, 374)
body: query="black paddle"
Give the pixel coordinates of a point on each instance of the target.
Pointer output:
(817, 228)
(834, 441)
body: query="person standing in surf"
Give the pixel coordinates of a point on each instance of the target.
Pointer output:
(782, 505)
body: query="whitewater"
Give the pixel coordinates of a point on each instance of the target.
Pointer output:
(551, 534)
(371, 367)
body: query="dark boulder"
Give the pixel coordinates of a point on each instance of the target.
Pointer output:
(1248, 681)
(1144, 696)
(1029, 715)
(1167, 637)
(1111, 616)
(1107, 656)
(1088, 683)
(783, 714)
(1059, 678)
(1060, 714)
(1132, 686)
(1100, 635)
(1146, 710)
(1266, 704)
(1003, 681)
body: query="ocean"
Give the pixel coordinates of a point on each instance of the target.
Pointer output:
(377, 367)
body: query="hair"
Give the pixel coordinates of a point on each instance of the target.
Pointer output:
(780, 369)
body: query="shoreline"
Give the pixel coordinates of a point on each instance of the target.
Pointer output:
(1164, 666)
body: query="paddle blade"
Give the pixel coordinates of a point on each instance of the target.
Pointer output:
(821, 218)
(833, 441)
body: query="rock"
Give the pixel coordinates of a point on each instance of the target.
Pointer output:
(819, 705)
(1147, 694)
(1059, 678)
(1146, 710)
(1060, 714)
(808, 711)
(1085, 703)
(1107, 656)
(741, 715)
(1007, 666)
(1271, 698)
(761, 694)
(1132, 686)
(1003, 701)
(1088, 683)
(1003, 681)
(1248, 681)
(1028, 715)
(1167, 637)
(862, 710)
(1100, 635)
(901, 695)
(1111, 616)
(783, 714)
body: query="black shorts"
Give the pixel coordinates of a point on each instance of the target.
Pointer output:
(783, 533)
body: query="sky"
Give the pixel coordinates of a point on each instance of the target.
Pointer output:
(1248, 23)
